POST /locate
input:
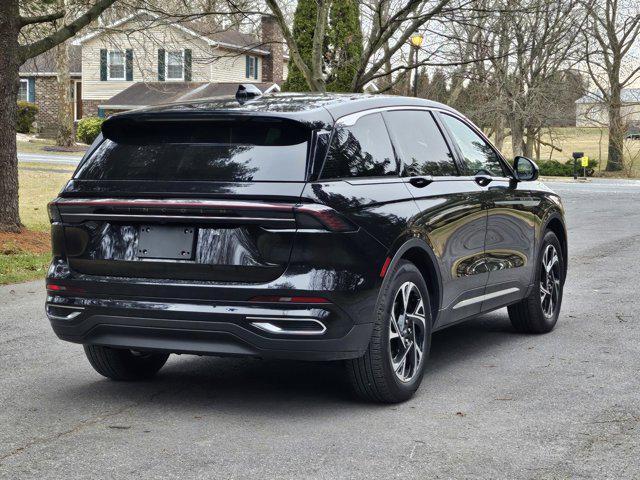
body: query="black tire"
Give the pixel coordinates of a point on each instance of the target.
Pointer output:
(120, 364)
(528, 315)
(372, 375)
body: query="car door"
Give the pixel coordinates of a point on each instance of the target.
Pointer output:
(510, 240)
(451, 216)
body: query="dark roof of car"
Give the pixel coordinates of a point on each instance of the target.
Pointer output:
(292, 105)
(143, 94)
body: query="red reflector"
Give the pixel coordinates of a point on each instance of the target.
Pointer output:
(383, 271)
(52, 287)
(279, 299)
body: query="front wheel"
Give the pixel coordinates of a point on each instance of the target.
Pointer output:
(538, 313)
(122, 364)
(391, 369)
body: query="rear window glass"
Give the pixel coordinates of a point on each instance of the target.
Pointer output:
(246, 152)
(362, 150)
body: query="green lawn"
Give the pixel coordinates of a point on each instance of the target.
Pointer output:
(35, 145)
(21, 267)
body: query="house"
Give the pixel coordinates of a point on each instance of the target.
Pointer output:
(39, 85)
(142, 60)
(592, 112)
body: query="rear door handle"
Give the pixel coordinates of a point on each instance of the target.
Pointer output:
(420, 182)
(483, 180)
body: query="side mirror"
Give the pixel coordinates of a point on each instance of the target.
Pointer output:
(526, 169)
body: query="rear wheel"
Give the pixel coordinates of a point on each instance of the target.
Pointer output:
(391, 369)
(538, 313)
(122, 364)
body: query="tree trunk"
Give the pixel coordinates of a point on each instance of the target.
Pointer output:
(616, 131)
(65, 137)
(517, 137)
(500, 134)
(9, 82)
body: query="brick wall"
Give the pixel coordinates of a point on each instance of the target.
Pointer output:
(90, 108)
(46, 98)
(272, 65)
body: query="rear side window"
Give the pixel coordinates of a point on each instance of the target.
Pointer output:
(361, 150)
(244, 152)
(421, 145)
(479, 157)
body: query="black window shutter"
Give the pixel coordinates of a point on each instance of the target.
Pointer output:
(161, 60)
(129, 65)
(247, 72)
(187, 65)
(103, 64)
(255, 71)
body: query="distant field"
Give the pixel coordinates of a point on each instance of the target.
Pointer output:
(592, 141)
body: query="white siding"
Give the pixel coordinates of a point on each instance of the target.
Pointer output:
(208, 63)
(228, 66)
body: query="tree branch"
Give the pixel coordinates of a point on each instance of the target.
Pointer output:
(40, 46)
(291, 42)
(50, 17)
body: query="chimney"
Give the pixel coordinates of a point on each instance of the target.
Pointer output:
(272, 40)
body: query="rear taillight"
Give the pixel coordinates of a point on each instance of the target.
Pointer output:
(54, 213)
(314, 216)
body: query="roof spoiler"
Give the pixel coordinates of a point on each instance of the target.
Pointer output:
(246, 92)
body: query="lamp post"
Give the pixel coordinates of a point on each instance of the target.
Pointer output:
(416, 43)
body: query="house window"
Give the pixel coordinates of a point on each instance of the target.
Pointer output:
(116, 65)
(23, 93)
(252, 67)
(175, 65)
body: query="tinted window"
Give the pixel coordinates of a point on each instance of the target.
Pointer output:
(363, 150)
(420, 143)
(244, 153)
(479, 156)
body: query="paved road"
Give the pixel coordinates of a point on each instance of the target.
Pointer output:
(49, 158)
(494, 404)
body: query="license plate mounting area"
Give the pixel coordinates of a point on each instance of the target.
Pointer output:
(166, 242)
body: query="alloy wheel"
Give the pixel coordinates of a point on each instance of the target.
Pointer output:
(550, 281)
(407, 329)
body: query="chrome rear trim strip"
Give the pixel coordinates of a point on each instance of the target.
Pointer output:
(266, 324)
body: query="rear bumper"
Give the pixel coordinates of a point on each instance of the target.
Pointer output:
(205, 328)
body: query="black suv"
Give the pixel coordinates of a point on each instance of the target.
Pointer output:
(315, 227)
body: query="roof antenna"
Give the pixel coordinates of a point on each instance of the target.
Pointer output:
(246, 92)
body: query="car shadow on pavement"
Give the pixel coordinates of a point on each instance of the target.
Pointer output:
(232, 383)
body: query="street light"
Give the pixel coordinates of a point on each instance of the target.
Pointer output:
(416, 43)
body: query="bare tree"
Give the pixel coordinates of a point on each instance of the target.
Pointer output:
(65, 134)
(614, 28)
(384, 39)
(13, 23)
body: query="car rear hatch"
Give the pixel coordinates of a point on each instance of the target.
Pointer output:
(186, 199)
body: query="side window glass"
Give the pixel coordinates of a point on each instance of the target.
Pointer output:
(479, 156)
(421, 146)
(362, 150)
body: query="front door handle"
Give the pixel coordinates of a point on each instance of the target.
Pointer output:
(420, 182)
(483, 180)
